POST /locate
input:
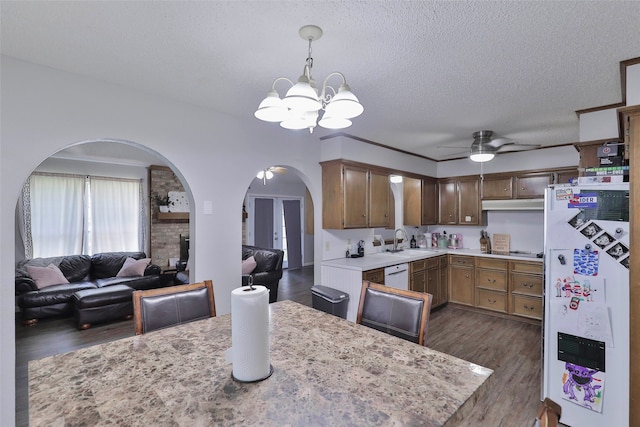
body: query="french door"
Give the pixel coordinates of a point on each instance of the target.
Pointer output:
(277, 224)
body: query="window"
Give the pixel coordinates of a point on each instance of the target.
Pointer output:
(70, 214)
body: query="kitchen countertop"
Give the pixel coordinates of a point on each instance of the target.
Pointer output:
(385, 259)
(326, 371)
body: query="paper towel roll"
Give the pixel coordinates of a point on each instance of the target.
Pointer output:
(250, 333)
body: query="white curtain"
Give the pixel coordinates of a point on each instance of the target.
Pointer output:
(115, 215)
(57, 214)
(72, 214)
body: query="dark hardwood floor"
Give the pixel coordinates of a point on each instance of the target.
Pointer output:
(510, 348)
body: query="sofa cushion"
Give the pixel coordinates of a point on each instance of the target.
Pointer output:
(76, 267)
(46, 276)
(55, 294)
(133, 267)
(248, 265)
(108, 264)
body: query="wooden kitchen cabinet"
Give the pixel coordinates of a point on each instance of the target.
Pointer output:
(468, 201)
(379, 200)
(459, 201)
(462, 280)
(444, 279)
(497, 188)
(412, 201)
(418, 281)
(426, 276)
(525, 288)
(354, 196)
(447, 208)
(429, 201)
(375, 276)
(531, 186)
(491, 284)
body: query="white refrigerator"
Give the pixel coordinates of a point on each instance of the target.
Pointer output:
(586, 303)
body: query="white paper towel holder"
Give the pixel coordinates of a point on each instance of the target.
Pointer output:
(253, 381)
(250, 286)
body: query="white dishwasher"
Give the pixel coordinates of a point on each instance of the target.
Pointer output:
(397, 276)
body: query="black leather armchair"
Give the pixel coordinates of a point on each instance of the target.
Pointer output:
(268, 271)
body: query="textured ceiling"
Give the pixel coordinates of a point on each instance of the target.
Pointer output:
(428, 73)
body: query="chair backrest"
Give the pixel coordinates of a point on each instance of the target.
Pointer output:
(163, 307)
(548, 414)
(398, 312)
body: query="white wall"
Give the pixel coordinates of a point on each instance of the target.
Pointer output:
(44, 111)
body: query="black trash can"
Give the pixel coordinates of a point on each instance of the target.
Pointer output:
(330, 300)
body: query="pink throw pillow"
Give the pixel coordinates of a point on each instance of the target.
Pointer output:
(248, 265)
(46, 276)
(133, 267)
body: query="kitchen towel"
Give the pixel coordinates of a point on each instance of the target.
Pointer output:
(250, 333)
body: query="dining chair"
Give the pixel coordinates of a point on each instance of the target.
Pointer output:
(163, 307)
(402, 313)
(548, 414)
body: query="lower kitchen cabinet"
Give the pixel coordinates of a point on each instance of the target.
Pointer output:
(496, 284)
(491, 284)
(525, 287)
(426, 276)
(375, 276)
(462, 280)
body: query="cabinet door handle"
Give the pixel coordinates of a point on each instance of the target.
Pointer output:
(467, 276)
(491, 281)
(528, 285)
(491, 301)
(526, 307)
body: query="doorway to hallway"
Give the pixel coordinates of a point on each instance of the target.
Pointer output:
(277, 223)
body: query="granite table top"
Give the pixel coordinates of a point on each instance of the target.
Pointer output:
(327, 371)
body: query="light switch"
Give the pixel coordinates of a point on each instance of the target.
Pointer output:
(207, 207)
(467, 218)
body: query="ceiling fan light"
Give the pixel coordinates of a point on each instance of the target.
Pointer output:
(329, 122)
(302, 96)
(396, 179)
(481, 157)
(272, 109)
(344, 104)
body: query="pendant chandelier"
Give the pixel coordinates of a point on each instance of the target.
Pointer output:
(300, 107)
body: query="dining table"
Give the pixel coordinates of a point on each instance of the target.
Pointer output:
(327, 371)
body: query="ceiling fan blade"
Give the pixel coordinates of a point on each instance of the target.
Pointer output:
(517, 147)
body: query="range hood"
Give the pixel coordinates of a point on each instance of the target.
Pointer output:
(513, 205)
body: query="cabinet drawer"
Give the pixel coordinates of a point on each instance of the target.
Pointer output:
(418, 265)
(461, 260)
(526, 267)
(526, 284)
(496, 264)
(526, 306)
(492, 300)
(376, 276)
(491, 279)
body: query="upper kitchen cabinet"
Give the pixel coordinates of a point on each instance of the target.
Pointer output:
(412, 201)
(447, 208)
(354, 196)
(459, 201)
(420, 201)
(469, 201)
(497, 187)
(523, 185)
(532, 185)
(429, 201)
(379, 199)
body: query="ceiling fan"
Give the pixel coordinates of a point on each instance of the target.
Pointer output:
(267, 173)
(484, 148)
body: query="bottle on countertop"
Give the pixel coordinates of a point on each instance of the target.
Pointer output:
(412, 242)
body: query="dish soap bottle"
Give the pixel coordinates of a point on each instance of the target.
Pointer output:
(412, 242)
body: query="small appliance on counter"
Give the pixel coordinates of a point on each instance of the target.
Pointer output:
(361, 248)
(455, 241)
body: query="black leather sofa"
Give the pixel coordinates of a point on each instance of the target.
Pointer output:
(268, 271)
(83, 272)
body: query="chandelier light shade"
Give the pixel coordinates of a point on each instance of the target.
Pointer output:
(302, 105)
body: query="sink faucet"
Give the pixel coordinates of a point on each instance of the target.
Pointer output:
(395, 239)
